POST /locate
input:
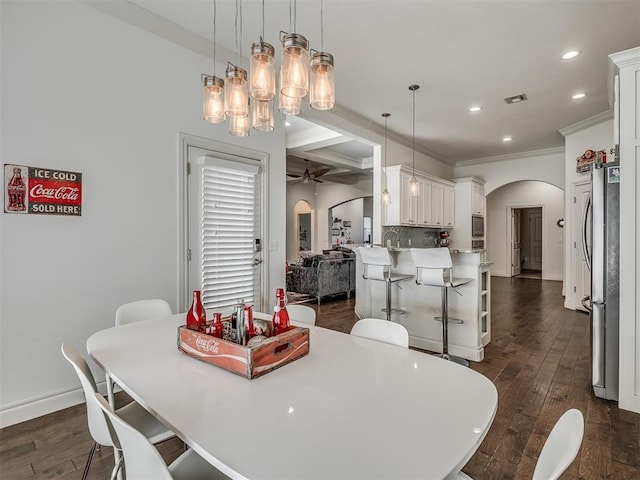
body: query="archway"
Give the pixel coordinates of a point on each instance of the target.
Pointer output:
(539, 198)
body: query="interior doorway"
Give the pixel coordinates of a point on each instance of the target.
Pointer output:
(526, 242)
(303, 226)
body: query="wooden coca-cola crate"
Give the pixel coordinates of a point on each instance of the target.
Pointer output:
(248, 361)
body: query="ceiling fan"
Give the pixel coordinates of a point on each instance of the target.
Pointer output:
(307, 176)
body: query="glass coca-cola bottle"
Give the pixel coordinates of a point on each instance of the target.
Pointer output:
(248, 315)
(196, 316)
(16, 191)
(216, 327)
(280, 314)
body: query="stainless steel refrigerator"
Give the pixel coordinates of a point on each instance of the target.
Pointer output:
(602, 218)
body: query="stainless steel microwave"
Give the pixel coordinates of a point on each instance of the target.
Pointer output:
(477, 226)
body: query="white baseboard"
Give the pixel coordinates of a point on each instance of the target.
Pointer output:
(30, 409)
(556, 277)
(500, 274)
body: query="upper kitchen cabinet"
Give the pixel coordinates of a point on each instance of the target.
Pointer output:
(469, 193)
(432, 207)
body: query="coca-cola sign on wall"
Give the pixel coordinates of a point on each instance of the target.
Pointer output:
(42, 191)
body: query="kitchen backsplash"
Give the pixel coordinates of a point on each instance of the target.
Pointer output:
(411, 237)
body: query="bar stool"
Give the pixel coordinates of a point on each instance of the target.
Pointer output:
(376, 265)
(434, 268)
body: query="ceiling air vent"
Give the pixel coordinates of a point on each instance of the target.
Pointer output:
(515, 99)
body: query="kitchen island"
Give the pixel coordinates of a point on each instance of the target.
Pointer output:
(471, 304)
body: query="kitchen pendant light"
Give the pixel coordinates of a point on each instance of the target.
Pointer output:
(322, 77)
(385, 193)
(262, 68)
(213, 105)
(414, 187)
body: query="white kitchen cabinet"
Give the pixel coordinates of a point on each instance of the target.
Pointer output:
(437, 205)
(433, 206)
(449, 207)
(469, 201)
(477, 205)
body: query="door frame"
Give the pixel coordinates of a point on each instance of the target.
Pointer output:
(185, 141)
(508, 250)
(572, 300)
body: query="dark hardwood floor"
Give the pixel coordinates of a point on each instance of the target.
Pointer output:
(539, 360)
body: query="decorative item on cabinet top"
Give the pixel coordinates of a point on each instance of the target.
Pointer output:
(433, 208)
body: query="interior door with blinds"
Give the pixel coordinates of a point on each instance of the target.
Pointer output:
(224, 230)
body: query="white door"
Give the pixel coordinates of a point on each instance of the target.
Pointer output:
(224, 228)
(535, 242)
(515, 241)
(582, 278)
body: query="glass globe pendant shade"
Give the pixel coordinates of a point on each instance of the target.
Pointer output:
(414, 187)
(262, 115)
(289, 105)
(213, 104)
(386, 197)
(239, 126)
(322, 82)
(294, 67)
(262, 71)
(236, 95)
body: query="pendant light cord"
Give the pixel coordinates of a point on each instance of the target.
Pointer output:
(214, 37)
(386, 116)
(262, 18)
(322, 26)
(413, 143)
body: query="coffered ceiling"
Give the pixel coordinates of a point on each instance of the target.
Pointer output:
(461, 53)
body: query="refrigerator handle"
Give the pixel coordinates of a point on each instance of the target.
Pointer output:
(585, 225)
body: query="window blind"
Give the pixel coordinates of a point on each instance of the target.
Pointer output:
(228, 233)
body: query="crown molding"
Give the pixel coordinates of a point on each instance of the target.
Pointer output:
(587, 122)
(512, 156)
(626, 57)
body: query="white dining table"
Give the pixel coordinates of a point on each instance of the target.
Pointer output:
(353, 408)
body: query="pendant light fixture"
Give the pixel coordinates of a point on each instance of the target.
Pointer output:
(385, 193)
(322, 82)
(294, 64)
(414, 188)
(239, 126)
(262, 115)
(289, 105)
(263, 68)
(236, 92)
(213, 105)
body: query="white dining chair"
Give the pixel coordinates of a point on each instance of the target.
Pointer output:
(133, 412)
(382, 331)
(143, 462)
(302, 314)
(142, 310)
(559, 450)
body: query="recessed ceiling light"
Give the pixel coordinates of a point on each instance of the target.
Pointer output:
(475, 108)
(571, 54)
(578, 96)
(507, 139)
(287, 124)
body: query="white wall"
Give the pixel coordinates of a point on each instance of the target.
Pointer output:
(578, 139)
(352, 211)
(82, 91)
(522, 195)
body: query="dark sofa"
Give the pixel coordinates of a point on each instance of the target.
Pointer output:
(322, 275)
